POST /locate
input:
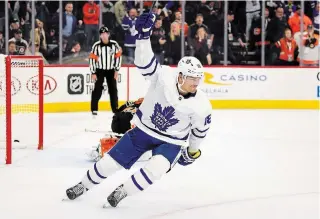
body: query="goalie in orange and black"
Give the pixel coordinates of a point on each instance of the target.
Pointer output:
(105, 62)
(121, 123)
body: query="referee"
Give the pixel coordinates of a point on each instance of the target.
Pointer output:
(105, 61)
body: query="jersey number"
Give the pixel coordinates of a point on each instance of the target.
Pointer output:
(207, 120)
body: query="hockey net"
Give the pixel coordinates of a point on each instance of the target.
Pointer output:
(21, 104)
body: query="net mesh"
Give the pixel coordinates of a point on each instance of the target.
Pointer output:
(24, 115)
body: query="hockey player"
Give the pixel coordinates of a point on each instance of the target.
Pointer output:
(172, 121)
(121, 123)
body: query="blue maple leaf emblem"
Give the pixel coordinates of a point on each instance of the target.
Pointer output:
(163, 119)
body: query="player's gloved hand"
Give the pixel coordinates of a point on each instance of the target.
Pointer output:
(188, 157)
(144, 25)
(129, 103)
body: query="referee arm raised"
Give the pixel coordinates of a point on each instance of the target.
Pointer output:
(105, 62)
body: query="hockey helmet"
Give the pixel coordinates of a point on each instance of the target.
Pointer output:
(190, 66)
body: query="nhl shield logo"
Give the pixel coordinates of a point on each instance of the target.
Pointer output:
(75, 84)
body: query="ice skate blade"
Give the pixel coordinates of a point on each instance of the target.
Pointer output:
(65, 199)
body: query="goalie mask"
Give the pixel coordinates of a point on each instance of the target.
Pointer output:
(189, 67)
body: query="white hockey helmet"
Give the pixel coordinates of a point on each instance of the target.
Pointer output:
(190, 66)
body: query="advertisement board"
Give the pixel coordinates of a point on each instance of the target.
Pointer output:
(247, 83)
(68, 89)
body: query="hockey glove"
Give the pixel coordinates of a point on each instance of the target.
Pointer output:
(187, 157)
(144, 25)
(129, 103)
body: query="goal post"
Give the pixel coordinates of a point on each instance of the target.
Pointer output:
(21, 103)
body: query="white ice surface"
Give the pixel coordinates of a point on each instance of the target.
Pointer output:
(254, 165)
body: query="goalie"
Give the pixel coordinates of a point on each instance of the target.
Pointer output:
(121, 123)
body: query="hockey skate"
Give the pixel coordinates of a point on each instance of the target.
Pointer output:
(116, 196)
(94, 114)
(76, 191)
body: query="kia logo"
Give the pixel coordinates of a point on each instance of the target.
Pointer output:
(15, 85)
(49, 85)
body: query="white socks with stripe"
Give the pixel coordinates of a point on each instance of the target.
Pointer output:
(100, 171)
(156, 167)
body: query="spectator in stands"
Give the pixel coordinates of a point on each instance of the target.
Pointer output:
(42, 11)
(173, 45)
(12, 50)
(289, 9)
(120, 11)
(21, 44)
(252, 11)
(91, 14)
(195, 26)
(277, 25)
(18, 16)
(158, 39)
(309, 54)
(75, 50)
(287, 46)
(294, 21)
(256, 42)
(69, 23)
(14, 25)
(316, 18)
(40, 37)
(80, 35)
(178, 20)
(23, 10)
(200, 47)
(211, 10)
(108, 17)
(38, 53)
(272, 6)
(233, 36)
(2, 43)
(164, 16)
(128, 26)
(52, 37)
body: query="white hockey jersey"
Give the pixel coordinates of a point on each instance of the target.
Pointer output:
(164, 114)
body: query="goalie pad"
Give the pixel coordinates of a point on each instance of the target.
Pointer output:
(105, 145)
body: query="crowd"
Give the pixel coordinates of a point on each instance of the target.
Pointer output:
(202, 32)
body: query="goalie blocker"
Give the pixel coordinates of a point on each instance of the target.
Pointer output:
(121, 123)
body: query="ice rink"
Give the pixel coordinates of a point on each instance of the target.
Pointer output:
(261, 164)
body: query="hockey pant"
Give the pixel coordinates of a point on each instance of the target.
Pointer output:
(126, 152)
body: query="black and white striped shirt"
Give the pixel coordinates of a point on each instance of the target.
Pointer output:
(105, 56)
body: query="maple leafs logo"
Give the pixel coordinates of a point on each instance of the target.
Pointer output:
(163, 119)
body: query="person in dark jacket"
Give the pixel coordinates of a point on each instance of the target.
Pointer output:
(200, 46)
(158, 40)
(277, 26)
(217, 29)
(173, 45)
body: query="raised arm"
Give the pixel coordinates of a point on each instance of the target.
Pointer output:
(145, 59)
